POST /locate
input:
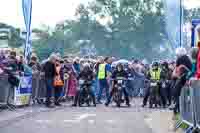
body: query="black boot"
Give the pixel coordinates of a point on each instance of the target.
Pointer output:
(49, 104)
(127, 101)
(57, 103)
(76, 99)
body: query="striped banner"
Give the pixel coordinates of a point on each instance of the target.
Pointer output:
(27, 12)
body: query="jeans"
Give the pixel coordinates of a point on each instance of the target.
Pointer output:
(95, 86)
(103, 84)
(146, 96)
(176, 108)
(91, 92)
(50, 89)
(124, 91)
(58, 94)
(163, 95)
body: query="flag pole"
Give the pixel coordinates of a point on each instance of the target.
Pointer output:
(181, 17)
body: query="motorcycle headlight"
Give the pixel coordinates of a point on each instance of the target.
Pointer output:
(153, 84)
(163, 85)
(119, 81)
(81, 82)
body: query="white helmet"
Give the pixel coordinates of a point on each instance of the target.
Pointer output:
(86, 65)
(181, 51)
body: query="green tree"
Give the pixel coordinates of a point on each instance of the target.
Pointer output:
(122, 28)
(14, 39)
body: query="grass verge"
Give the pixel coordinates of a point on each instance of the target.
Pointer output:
(183, 126)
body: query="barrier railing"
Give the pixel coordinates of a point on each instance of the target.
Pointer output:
(38, 87)
(186, 106)
(195, 92)
(5, 90)
(190, 105)
(12, 96)
(38, 91)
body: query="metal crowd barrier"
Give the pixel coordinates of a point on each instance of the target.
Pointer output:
(190, 105)
(4, 85)
(186, 106)
(7, 93)
(196, 99)
(38, 88)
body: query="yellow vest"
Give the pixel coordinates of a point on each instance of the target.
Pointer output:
(155, 75)
(102, 71)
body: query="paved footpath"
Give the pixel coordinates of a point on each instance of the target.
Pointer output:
(86, 120)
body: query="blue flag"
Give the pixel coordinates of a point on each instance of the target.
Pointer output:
(27, 12)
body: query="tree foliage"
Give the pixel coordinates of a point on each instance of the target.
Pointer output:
(123, 28)
(14, 39)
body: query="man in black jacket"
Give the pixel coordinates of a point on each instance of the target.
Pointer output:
(184, 64)
(50, 72)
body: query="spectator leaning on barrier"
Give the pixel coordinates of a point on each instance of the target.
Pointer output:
(12, 61)
(58, 81)
(49, 70)
(183, 66)
(21, 64)
(34, 64)
(12, 69)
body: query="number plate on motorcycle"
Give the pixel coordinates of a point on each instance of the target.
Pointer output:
(81, 81)
(119, 81)
(153, 84)
(163, 85)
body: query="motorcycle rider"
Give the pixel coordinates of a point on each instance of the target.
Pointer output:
(87, 75)
(165, 78)
(118, 72)
(155, 75)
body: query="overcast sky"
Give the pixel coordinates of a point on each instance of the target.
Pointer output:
(44, 11)
(48, 11)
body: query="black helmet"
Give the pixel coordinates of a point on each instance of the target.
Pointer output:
(86, 66)
(120, 65)
(155, 64)
(165, 64)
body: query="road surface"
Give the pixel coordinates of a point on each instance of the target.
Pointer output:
(81, 120)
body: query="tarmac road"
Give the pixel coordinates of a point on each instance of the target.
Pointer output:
(82, 120)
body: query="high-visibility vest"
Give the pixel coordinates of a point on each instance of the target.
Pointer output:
(102, 71)
(155, 74)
